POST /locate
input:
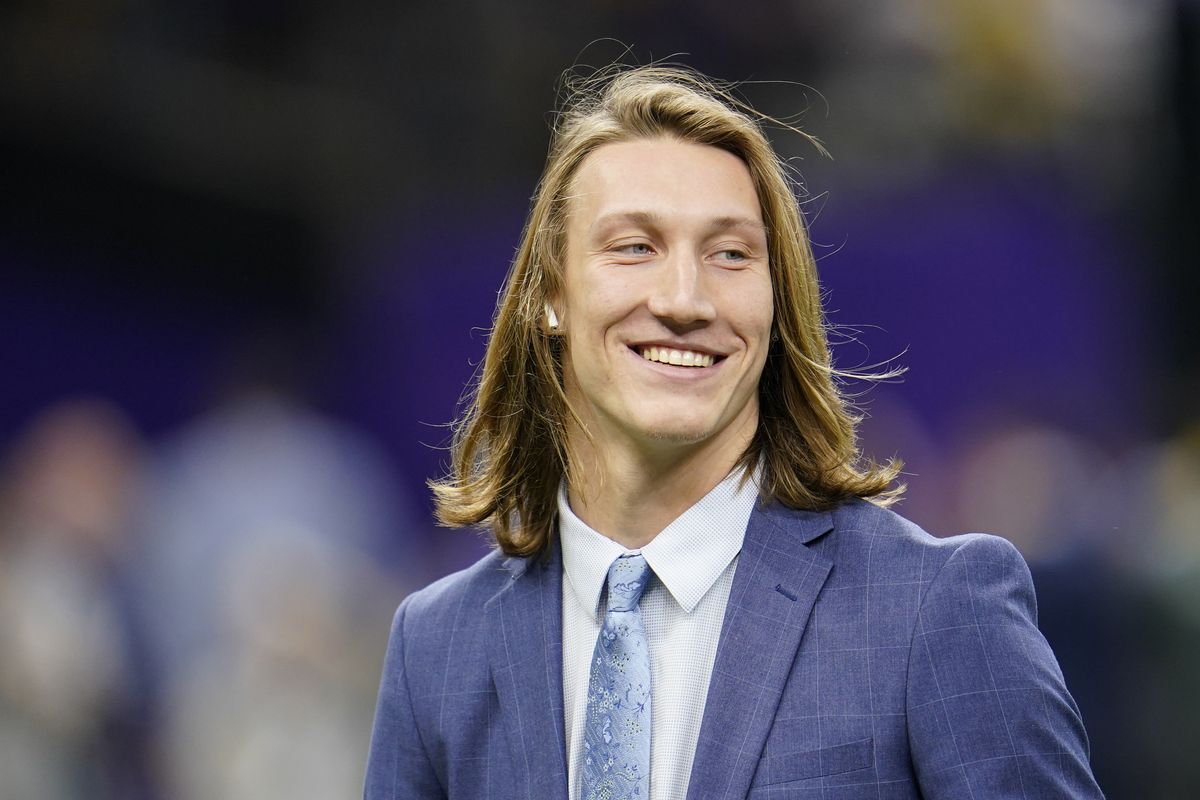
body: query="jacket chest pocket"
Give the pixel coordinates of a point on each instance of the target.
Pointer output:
(835, 760)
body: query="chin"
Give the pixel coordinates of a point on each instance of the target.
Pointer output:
(680, 436)
(677, 431)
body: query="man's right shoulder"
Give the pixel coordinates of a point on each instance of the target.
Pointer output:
(439, 634)
(442, 603)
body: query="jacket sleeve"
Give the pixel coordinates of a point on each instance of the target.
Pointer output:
(989, 714)
(398, 767)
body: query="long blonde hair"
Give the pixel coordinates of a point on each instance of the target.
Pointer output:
(510, 450)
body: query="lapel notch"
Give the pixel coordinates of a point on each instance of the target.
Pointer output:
(774, 590)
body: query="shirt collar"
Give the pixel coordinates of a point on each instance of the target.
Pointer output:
(687, 556)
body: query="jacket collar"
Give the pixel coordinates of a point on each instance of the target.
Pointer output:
(775, 587)
(524, 630)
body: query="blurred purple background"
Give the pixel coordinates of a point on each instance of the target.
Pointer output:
(249, 254)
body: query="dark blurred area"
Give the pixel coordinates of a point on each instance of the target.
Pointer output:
(249, 254)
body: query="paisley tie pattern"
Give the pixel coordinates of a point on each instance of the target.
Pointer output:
(616, 738)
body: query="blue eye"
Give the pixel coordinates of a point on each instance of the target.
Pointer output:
(636, 249)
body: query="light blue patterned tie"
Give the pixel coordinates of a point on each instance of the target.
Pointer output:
(616, 732)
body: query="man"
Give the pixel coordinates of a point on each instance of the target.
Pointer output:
(692, 595)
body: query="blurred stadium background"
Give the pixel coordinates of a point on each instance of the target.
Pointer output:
(249, 253)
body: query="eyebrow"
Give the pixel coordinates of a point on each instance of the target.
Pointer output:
(654, 219)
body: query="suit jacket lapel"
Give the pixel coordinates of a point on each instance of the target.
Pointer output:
(774, 589)
(524, 625)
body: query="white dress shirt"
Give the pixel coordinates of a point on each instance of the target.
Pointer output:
(683, 606)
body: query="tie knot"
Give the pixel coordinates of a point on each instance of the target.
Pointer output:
(627, 578)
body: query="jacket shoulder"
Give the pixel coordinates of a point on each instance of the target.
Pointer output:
(879, 539)
(434, 607)
(436, 651)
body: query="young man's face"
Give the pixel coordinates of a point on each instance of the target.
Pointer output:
(666, 299)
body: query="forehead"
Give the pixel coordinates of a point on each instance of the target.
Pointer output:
(680, 182)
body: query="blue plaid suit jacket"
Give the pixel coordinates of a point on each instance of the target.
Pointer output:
(859, 658)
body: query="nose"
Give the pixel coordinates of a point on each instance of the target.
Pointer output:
(680, 294)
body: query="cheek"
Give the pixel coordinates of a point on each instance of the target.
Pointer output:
(756, 310)
(594, 306)
(766, 314)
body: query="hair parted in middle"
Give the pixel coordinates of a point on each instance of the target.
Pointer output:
(510, 448)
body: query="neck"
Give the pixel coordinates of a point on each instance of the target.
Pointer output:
(630, 495)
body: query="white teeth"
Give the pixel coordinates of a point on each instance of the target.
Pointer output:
(679, 358)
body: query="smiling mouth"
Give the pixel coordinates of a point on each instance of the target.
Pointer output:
(677, 358)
